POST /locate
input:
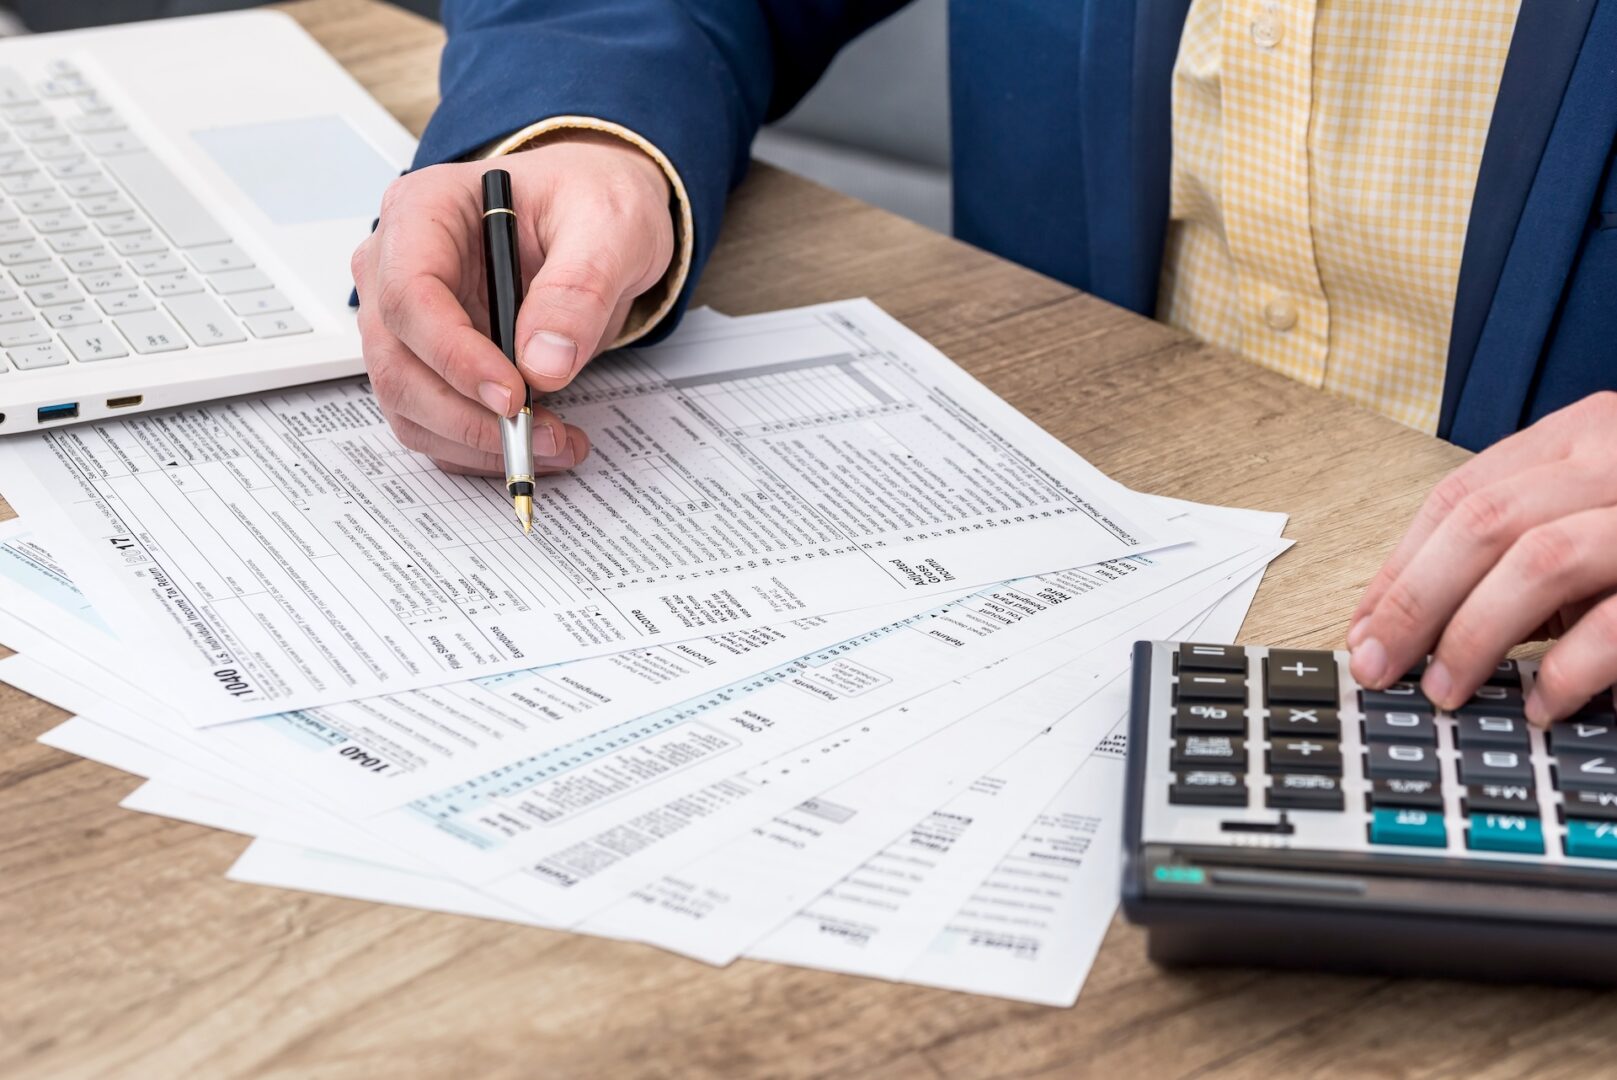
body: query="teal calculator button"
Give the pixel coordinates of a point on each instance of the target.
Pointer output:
(1591, 839)
(1412, 828)
(1507, 832)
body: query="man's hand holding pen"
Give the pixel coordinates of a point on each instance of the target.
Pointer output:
(593, 232)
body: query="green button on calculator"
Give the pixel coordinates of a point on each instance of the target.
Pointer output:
(1507, 832)
(1591, 839)
(1412, 828)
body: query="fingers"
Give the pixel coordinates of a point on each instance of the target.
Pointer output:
(1537, 445)
(1551, 566)
(458, 457)
(1457, 555)
(1580, 665)
(410, 390)
(599, 255)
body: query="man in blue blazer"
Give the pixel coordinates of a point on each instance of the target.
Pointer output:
(1411, 202)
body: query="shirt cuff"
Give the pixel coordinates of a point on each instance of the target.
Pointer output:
(653, 305)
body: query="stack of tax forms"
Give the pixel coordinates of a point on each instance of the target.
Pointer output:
(820, 658)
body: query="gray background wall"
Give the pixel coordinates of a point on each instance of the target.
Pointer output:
(876, 127)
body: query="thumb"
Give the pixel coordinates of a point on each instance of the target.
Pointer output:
(569, 309)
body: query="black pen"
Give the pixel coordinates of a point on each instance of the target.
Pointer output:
(504, 276)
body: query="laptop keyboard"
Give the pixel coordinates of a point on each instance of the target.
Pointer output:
(104, 253)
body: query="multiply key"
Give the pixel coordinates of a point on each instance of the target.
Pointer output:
(1305, 755)
(1210, 751)
(1581, 772)
(1300, 676)
(1301, 720)
(1206, 686)
(1193, 657)
(1399, 697)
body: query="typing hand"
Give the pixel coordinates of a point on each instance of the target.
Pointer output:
(594, 232)
(1519, 542)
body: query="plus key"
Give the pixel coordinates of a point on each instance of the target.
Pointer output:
(1302, 677)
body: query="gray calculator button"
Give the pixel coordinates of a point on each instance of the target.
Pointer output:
(217, 258)
(1509, 732)
(1399, 697)
(205, 320)
(1405, 791)
(150, 332)
(89, 343)
(1305, 755)
(1491, 700)
(1201, 716)
(1210, 751)
(1506, 673)
(279, 324)
(168, 202)
(1305, 791)
(1495, 766)
(1304, 721)
(1501, 798)
(1211, 686)
(32, 332)
(33, 357)
(238, 281)
(1387, 725)
(1208, 787)
(71, 315)
(1581, 772)
(1404, 760)
(1197, 657)
(124, 303)
(1300, 676)
(1583, 735)
(258, 303)
(109, 143)
(1597, 803)
(13, 90)
(173, 284)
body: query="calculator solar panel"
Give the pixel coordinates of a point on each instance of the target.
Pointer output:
(1278, 813)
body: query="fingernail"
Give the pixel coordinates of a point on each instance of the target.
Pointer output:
(496, 397)
(547, 442)
(1537, 712)
(549, 356)
(1437, 685)
(1356, 631)
(1369, 663)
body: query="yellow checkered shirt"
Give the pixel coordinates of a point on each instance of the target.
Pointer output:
(1324, 159)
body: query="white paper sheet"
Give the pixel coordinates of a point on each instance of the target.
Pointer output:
(285, 552)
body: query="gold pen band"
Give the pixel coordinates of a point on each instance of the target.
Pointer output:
(499, 210)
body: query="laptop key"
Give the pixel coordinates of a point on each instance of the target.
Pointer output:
(150, 332)
(94, 123)
(122, 224)
(58, 150)
(205, 320)
(125, 303)
(84, 262)
(47, 295)
(27, 183)
(15, 311)
(41, 202)
(69, 242)
(81, 170)
(71, 315)
(146, 243)
(261, 302)
(217, 258)
(165, 262)
(173, 284)
(105, 204)
(34, 357)
(168, 202)
(42, 273)
(13, 90)
(32, 332)
(108, 143)
(57, 221)
(105, 281)
(91, 343)
(238, 281)
(20, 254)
(282, 324)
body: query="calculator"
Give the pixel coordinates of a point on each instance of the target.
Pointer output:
(1279, 814)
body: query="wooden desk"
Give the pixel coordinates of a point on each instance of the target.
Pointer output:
(123, 951)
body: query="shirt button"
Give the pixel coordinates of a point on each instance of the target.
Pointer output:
(1280, 314)
(1268, 28)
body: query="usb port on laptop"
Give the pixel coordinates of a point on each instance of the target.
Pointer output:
(48, 413)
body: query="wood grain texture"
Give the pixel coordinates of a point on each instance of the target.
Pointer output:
(124, 952)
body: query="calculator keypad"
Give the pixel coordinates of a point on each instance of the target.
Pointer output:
(1281, 748)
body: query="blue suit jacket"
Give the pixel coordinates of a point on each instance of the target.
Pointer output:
(1060, 115)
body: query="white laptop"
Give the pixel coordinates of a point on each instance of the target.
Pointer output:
(178, 203)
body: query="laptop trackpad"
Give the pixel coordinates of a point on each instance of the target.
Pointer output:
(315, 168)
